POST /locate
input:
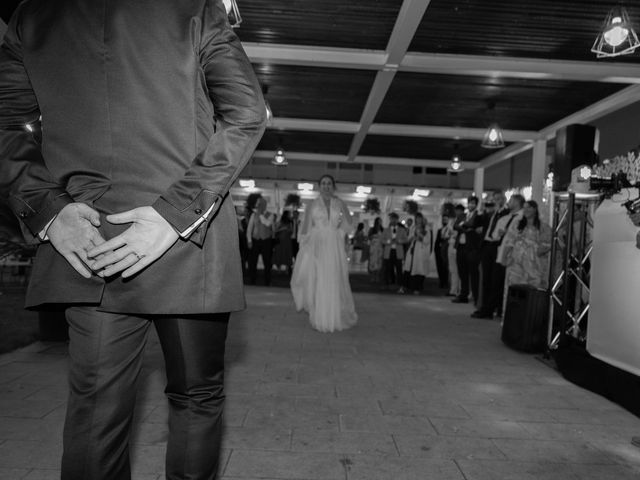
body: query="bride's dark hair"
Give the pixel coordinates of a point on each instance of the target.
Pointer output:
(326, 175)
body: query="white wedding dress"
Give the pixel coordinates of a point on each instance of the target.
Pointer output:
(320, 280)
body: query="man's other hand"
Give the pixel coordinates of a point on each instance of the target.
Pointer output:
(74, 232)
(635, 218)
(146, 240)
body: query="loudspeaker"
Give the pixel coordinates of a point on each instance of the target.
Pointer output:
(575, 146)
(525, 318)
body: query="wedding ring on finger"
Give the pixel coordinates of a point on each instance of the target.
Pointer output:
(138, 256)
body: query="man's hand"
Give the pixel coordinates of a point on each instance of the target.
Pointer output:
(73, 233)
(146, 240)
(635, 218)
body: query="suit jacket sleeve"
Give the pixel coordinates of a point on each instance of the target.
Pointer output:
(33, 195)
(240, 120)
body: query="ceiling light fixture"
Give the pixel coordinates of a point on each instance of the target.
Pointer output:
(363, 191)
(456, 162)
(233, 12)
(419, 192)
(248, 184)
(493, 137)
(280, 158)
(305, 187)
(617, 36)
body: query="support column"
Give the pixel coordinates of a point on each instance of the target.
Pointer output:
(538, 170)
(478, 182)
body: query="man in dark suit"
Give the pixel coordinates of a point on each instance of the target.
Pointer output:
(468, 251)
(440, 247)
(491, 270)
(150, 109)
(394, 239)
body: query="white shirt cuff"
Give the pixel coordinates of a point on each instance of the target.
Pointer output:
(197, 223)
(42, 234)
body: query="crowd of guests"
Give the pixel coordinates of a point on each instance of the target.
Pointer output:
(263, 235)
(479, 254)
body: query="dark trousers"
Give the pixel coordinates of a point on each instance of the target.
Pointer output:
(492, 280)
(264, 248)
(442, 265)
(488, 256)
(105, 359)
(499, 272)
(393, 268)
(468, 270)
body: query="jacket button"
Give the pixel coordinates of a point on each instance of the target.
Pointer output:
(198, 211)
(23, 214)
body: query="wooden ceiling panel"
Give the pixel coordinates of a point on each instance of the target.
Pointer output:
(554, 29)
(463, 101)
(363, 24)
(314, 92)
(423, 148)
(308, 142)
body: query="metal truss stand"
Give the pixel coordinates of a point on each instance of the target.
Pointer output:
(571, 249)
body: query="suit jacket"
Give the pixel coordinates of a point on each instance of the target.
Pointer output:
(401, 240)
(143, 102)
(470, 227)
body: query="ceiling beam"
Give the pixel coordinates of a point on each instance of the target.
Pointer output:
(527, 68)
(315, 56)
(408, 21)
(504, 67)
(310, 125)
(457, 133)
(374, 160)
(393, 129)
(610, 104)
(505, 154)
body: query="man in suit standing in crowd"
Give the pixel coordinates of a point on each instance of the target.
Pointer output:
(440, 247)
(394, 239)
(491, 270)
(150, 110)
(468, 251)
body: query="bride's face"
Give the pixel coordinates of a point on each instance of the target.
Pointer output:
(326, 186)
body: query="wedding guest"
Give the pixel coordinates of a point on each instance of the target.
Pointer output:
(394, 238)
(376, 251)
(358, 243)
(515, 204)
(440, 249)
(492, 272)
(452, 254)
(283, 250)
(260, 234)
(526, 249)
(416, 260)
(468, 251)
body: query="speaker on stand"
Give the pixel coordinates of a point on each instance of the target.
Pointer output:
(575, 145)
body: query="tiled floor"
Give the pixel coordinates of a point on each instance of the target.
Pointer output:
(418, 390)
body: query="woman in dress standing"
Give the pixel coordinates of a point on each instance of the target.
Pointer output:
(320, 280)
(526, 250)
(416, 260)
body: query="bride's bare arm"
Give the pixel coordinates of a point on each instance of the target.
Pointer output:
(306, 225)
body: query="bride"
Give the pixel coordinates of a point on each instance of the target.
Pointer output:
(320, 280)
